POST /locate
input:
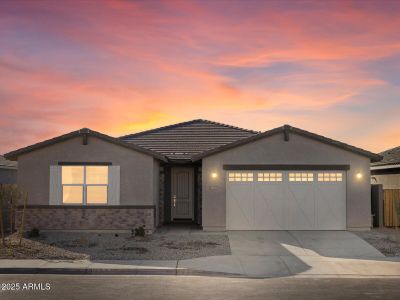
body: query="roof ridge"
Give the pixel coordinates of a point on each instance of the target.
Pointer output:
(182, 124)
(229, 126)
(158, 128)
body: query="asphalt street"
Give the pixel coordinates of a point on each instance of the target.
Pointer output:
(191, 287)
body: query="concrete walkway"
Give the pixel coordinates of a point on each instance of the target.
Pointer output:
(258, 254)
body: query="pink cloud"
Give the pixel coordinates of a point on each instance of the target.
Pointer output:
(123, 66)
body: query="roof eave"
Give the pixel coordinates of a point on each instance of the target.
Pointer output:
(385, 167)
(13, 155)
(372, 156)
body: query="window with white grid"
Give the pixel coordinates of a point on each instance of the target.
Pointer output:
(240, 176)
(330, 177)
(301, 177)
(270, 177)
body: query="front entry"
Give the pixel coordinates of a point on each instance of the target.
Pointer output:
(182, 193)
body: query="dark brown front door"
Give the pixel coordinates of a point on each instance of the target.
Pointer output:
(182, 193)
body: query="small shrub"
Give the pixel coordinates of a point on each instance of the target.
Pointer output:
(116, 235)
(140, 231)
(34, 232)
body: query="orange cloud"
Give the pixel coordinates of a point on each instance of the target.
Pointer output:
(123, 66)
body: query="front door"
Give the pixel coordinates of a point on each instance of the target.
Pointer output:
(182, 193)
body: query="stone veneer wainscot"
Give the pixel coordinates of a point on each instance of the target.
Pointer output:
(66, 217)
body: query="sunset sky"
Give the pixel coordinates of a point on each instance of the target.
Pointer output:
(330, 67)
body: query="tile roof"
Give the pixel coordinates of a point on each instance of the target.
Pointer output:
(390, 157)
(180, 142)
(7, 164)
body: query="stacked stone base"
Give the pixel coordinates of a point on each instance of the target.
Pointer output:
(87, 218)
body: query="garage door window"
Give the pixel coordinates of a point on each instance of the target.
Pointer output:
(301, 177)
(240, 176)
(330, 177)
(268, 177)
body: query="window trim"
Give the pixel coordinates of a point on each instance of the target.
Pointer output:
(84, 186)
(89, 163)
(263, 177)
(301, 177)
(234, 177)
(321, 175)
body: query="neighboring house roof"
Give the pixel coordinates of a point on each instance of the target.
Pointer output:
(180, 142)
(82, 132)
(286, 129)
(391, 159)
(8, 164)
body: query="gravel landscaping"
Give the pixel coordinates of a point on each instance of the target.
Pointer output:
(122, 246)
(31, 249)
(386, 240)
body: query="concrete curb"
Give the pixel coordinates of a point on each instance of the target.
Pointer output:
(99, 271)
(169, 272)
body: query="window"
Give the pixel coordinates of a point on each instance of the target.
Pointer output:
(269, 176)
(84, 184)
(330, 177)
(240, 176)
(301, 176)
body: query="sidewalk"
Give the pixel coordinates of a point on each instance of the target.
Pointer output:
(228, 265)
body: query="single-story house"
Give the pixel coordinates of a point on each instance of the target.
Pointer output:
(8, 171)
(387, 171)
(219, 176)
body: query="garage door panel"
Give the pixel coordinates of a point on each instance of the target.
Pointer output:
(240, 207)
(270, 206)
(301, 208)
(330, 206)
(308, 201)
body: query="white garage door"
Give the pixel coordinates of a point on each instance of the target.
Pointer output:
(286, 200)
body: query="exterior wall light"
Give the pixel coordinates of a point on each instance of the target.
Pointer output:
(359, 175)
(214, 175)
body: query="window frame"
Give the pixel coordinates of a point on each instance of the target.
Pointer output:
(331, 177)
(299, 175)
(270, 177)
(84, 185)
(248, 177)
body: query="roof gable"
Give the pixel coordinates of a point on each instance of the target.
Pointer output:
(13, 155)
(180, 142)
(285, 130)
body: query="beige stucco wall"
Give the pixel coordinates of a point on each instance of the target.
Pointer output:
(136, 178)
(389, 181)
(298, 150)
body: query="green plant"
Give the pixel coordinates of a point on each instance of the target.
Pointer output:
(139, 231)
(34, 232)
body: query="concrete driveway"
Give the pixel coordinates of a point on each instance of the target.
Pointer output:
(298, 253)
(340, 244)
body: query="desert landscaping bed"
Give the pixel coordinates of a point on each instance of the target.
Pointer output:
(386, 240)
(111, 246)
